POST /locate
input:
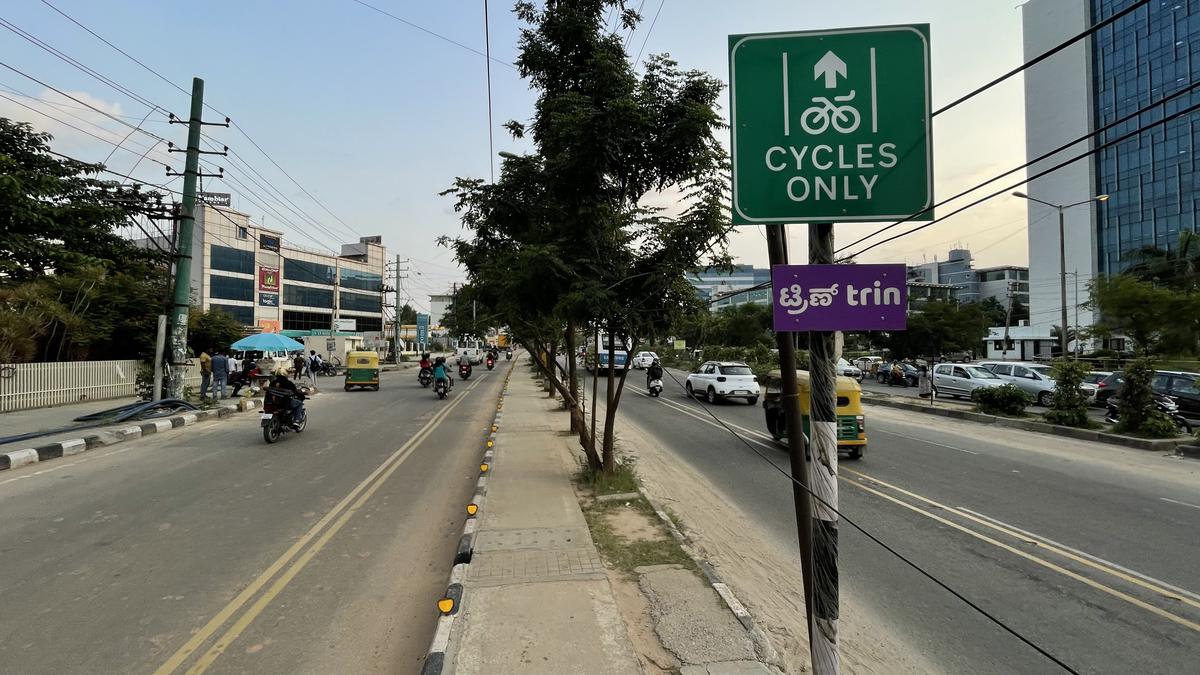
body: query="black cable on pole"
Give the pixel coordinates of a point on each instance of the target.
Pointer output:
(487, 45)
(1045, 155)
(881, 543)
(1043, 56)
(648, 32)
(436, 35)
(1056, 167)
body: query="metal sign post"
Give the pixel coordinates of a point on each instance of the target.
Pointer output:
(828, 126)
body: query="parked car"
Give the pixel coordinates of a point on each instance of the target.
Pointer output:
(1034, 379)
(863, 363)
(845, 369)
(716, 380)
(643, 360)
(1182, 386)
(1095, 378)
(960, 380)
(912, 374)
(1109, 386)
(957, 357)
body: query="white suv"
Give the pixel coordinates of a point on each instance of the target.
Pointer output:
(723, 379)
(643, 360)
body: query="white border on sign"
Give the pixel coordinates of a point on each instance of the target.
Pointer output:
(836, 219)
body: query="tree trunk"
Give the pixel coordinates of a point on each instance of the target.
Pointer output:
(572, 384)
(551, 367)
(586, 441)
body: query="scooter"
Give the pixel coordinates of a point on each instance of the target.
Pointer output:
(656, 387)
(276, 420)
(464, 371)
(1163, 404)
(508, 355)
(440, 389)
(490, 363)
(425, 377)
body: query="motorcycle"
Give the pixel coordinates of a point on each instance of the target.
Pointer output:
(325, 368)
(276, 418)
(508, 355)
(490, 363)
(656, 387)
(464, 371)
(425, 377)
(1162, 403)
(440, 389)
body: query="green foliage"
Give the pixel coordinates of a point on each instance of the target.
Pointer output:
(144, 384)
(938, 328)
(1177, 267)
(1157, 425)
(1069, 405)
(214, 329)
(1136, 399)
(436, 346)
(407, 315)
(1158, 319)
(744, 325)
(1005, 400)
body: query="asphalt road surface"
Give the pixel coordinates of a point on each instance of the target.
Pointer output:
(209, 550)
(1090, 551)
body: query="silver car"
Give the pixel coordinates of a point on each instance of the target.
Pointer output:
(960, 380)
(1031, 378)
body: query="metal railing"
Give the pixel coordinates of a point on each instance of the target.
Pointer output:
(24, 386)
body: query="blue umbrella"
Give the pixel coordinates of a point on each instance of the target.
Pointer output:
(268, 342)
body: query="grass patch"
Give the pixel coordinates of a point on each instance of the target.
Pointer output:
(675, 519)
(623, 479)
(628, 555)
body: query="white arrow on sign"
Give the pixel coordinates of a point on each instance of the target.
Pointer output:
(829, 67)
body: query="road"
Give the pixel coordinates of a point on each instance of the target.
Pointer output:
(208, 549)
(1089, 551)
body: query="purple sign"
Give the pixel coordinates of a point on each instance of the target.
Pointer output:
(839, 297)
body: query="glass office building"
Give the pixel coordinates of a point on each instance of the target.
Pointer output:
(1141, 59)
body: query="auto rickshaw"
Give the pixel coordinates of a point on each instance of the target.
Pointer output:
(851, 420)
(362, 370)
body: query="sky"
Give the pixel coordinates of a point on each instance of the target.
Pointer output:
(374, 117)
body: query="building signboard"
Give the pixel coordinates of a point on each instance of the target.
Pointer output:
(839, 297)
(268, 299)
(422, 329)
(268, 279)
(349, 325)
(215, 198)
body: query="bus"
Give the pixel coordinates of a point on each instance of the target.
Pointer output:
(620, 354)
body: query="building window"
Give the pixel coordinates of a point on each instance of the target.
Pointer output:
(309, 297)
(367, 324)
(230, 288)
(243, 232)
(244, 315)
(363, 281)
(302, 270)
(306, 320)
(268, 242)
(229, 259)
(357, 302)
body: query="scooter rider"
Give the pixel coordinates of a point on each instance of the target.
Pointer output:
(441, 372)
(295, 401)
(425, 364)
(654, 372)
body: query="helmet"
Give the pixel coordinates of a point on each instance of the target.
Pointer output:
(425, 355)
(656, 362)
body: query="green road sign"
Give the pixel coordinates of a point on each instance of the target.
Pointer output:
(831, 126)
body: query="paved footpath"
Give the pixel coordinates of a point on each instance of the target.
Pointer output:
(535, 596)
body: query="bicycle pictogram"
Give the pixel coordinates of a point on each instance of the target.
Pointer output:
(844, 118)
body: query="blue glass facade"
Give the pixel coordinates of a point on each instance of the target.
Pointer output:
(1141, 59)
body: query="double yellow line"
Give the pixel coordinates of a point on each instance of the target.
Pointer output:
(296, 557)
(1124, 575)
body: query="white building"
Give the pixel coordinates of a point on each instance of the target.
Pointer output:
(439, 304)
(1025, 343)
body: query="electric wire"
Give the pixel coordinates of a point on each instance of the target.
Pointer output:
(436, 35)
(880, 542)
(649, 30)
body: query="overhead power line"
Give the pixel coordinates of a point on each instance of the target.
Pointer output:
(648, 32)
(1056, 167)
(436, 35)
(1045, 155)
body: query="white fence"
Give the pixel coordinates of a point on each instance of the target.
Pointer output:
(39, 385)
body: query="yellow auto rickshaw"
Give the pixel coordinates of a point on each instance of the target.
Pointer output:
(851, 420)
(362, 370)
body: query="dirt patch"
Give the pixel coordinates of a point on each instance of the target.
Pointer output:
(633, 524)
(764, 573)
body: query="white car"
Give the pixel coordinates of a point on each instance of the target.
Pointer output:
(715, 380)
(643, 360)
(846, 369)
(960, 380)
(864, 363)
(1034, 379)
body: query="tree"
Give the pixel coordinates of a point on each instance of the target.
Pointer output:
(70, 286)
(1020, 312)
(938, 328)
(1177, 268)
(994, 312)
(566, 224)
(1069, 405)
(407, 315)
(1156, 319)
(214, 329)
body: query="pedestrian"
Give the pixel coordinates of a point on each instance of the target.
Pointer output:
(298, 364)
(235, 364)
(205, 373)
(924, 383)
(314, 366)
(220, 374)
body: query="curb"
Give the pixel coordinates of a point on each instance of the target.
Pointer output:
(1159, 445)
(73, 446)
(450, 604)
(1192, 451)
(722, 589)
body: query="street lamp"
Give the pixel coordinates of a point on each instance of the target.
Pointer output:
(1062, 257)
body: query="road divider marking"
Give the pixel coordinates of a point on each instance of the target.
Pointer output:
(1173, 501)
(922, 440)
(1093, 562)
(338, 515)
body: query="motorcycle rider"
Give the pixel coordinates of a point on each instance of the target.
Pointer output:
(654, 372)
(441, 372)
(464, 360)
(425, 364)
(295, 402)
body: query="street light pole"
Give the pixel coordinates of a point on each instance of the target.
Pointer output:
(1062, 260)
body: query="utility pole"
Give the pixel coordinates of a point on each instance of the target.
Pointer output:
(183, 265)
(396, 325)
(823, 424)
(1007, 320)
(797, 447)
(1062, 281)
(1076, 273)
